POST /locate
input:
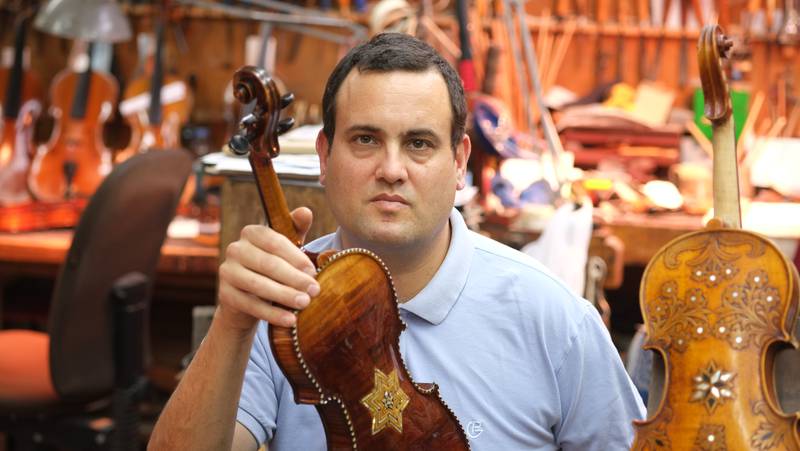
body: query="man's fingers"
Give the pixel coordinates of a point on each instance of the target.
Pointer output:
(265, 275)
(274, 267)
(273, 243)
(263, 287)
(255, 307)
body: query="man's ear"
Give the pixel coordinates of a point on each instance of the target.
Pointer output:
(463, 151)
(323, 148)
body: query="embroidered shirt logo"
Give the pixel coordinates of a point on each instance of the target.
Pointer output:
(474, 428)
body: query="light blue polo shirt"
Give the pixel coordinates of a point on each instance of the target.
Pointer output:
(522, 362)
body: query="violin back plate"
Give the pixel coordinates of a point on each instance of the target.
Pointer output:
(718, 304)
(365, 396)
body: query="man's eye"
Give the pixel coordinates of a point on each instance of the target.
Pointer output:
(420, 144)
(365, 139)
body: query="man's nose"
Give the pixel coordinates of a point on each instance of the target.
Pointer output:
(392, 167)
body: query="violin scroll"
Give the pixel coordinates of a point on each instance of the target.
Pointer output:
(712, 46)
(259, 129)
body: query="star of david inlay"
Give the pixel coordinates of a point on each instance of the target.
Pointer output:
(712, 386)
(386, 402)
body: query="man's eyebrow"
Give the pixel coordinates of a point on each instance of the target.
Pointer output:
(363, 128)
(422, 133)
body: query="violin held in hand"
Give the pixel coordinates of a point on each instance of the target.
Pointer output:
(343, 354)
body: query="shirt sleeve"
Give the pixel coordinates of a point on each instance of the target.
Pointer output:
(258, 404)
(598, 399)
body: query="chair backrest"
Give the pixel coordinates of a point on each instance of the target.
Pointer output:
(121, 230)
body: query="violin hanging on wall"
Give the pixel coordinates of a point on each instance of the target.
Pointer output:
(719, 305)
(20, 108)
(343, 355)
(156, 107)
(75, 160)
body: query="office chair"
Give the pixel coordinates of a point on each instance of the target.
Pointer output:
(75, 387)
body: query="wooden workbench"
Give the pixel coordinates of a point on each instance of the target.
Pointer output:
(41, 254)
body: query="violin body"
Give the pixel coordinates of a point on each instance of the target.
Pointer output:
(718, 305)
(77, 140)
(16, 141)
(344, 357)
(163, 135)
(20, 108)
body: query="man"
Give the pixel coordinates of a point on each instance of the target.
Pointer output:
(522, 362)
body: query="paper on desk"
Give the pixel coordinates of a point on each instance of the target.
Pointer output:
(294, 164)
(775, 165)
(773, 219)
(300, 140)
(779, 221)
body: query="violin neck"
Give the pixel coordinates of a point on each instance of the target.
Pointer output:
(272, 199)
(84, 86)
(726, 175)
(157, 81)
(13, 97)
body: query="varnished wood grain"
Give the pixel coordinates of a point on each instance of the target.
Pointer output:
(347, 332)
(727, 299)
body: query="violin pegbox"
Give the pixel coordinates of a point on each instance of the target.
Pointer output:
(259, 129)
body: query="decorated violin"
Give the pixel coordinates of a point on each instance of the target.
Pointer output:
(719, 304)
(20, 108)
(75, 160)
(343, 354)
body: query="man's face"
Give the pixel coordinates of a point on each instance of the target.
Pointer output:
(391, 175)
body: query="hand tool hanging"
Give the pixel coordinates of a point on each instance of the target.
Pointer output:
(643, 10)
(554, 146)
(518, 64)
(683, 68)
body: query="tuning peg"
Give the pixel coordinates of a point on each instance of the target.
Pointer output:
(286, 99)
(285, 124)
(248, 121)
(239, 144)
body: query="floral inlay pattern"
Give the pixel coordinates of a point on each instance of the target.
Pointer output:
(710, 437)
(712, 386)
(655, 438)
(748, 310)
(769, 434)
(676, 321)
(713, 263)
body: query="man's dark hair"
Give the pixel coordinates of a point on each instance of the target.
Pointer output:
(388, 52)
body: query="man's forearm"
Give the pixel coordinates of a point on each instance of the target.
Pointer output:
(201, 414)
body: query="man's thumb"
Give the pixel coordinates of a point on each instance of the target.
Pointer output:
(302, 218)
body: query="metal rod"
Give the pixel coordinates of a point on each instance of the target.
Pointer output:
(281, 6)
(289, 21)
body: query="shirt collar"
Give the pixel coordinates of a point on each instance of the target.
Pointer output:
(439, 296)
